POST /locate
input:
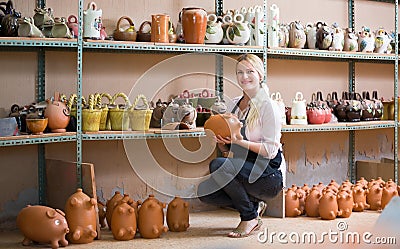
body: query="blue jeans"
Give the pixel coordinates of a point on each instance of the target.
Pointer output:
(228, 186)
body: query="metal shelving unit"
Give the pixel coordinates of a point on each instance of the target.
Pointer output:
(80, 46)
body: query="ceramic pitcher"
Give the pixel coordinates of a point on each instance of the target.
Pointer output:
(214, 32)
(92, 21)
(299, 112)
(273, 26)
(194, 24)
(238, 32)
(159, 28)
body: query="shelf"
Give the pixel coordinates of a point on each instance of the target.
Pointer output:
(341, 126)
(169, 47)
(150, 134)
(38, 139)
(294, 53)
(38, 42)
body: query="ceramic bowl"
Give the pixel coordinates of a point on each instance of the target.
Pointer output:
(37, 126)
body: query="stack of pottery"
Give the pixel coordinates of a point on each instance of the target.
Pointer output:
(194, 24)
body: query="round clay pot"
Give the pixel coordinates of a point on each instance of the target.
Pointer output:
(223, 124)
(37, 125)
(194, 22)
(58, 115)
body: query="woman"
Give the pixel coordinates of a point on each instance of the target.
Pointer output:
(253, 173)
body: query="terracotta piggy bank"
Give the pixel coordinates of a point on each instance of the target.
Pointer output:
(178, 215)
(226, 125)
(345, 203)
(301, 193)
(374, 197)
(151, 218)
(123, 222)
(388, 192)
(360, 198)
(292, 203)
(80, 212)
(328, 206)
(311, 204)
(110, 205)
(43, 225)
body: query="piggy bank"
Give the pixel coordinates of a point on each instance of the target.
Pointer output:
(311, 204)
(374, 196)
(389, 191)
(345, 203)
(110, 205)
(151, 218)
(80, 212)
(123, 222)
(292, 203)
(43, 225)
(225, 125)
(328, 206)
(178, 215)
(360, 197)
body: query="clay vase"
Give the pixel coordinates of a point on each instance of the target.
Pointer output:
(360, 198)
(345, 203)
(123, 222)
(159, 28)
(80, 212)
(328, 206)
(292, 204)
(311, 205)
(194, 24)
(178, 215)
(374, 197)
(43, 225)
(102, 213)
(151, 218)
(58, 115)
(110, 205)
(224, 125)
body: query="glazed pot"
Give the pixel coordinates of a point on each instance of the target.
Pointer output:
(58, 115)
(214, 32)
(37, 125)
(238, 32)
(378, 106)
(324, 37)
(350, 41)
(297, 35)
(194, 24)
(159, 28)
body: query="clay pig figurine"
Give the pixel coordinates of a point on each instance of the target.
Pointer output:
(360, 198)
(345, 203)
(123, 222)
(43, 225)
(292, 203)
(178, 215)
(151, 218)
(110, 205)
(328, 206)
(80, 212)
(311, 205)
(226, 125)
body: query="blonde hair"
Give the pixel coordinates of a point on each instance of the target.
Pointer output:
(256, 102)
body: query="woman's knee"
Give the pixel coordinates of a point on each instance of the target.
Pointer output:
(216, 163)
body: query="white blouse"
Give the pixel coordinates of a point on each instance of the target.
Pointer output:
(268, 128)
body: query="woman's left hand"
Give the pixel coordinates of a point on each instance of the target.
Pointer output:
(229, 140)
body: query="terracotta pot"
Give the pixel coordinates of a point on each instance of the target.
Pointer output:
(223, 124)
(58, 115)
(194, 23)
(178, 215)
(123, 225)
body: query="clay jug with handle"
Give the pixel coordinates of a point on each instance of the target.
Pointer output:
(194, 24)
(159, 28)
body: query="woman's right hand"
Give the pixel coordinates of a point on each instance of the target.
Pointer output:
(222, 140)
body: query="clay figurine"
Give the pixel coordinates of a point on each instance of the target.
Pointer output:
(178, 215)
(43, 225)
(102, 213)
(151, 218)
(110, 205)
(226, 125)
(123, 222)
(374, 197)
(311, 205)
(360, 198)
(328, 206)
(292, 203)
(388, 192)
(80, 212)
(345, 203)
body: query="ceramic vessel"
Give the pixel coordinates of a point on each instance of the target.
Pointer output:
(144, 32)
(92, 21)
(194, 24)
(73, 25)
(273, 26)
(102, 213)
(311, 205)
(311, 30)
(302, 194)
(214, 31)
(328, 206)
(159, 28)
(324, 37)
(37, 126)
(151, 218)
(43, 18)
(360, 198)
(238, 32)
(60, 28)
(366, 40)
(378, 105)
(350, 41)
(158, 113)
(283, 36)
(388, 192)
(123, 223)
(292, 204)
(9, 22)
(225, 125)
(297, 35)
(80, 212)
(345, 203)
(110, 205)
(337, 38)
(58, 115)
(368, 107)
(178, 215)
(43, 224)
(374, 197)
(299, 110)
(382, 42)
(127, 33)
(26, 28)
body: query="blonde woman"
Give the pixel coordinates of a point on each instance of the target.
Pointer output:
(253, 173)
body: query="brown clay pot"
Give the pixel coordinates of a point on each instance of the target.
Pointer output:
(110, 205)
(144, 36)
(123, 222)
(43, 225)
(194, 23)
(151, 218)
(225, 125)
(389, 191)
(58, 115)
(80, 212)
(178, 215)
(102, 213)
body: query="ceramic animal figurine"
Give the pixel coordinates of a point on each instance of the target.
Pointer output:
(214, 31)
(283, 35)
(43, 225)
(297, 35)
(360, 198)
(110, 205)
(178, 215)
(301, 193)
(80, 212)
(350, 41)
(366, 40)
(382, 42)
(337, 38)
(328, 206)
(226, 125)
(324, 37)
(102, 213)
(345, 203)
(151, 218)
(238, 32)
(292, 203)
(123, 222)
(389, 190)
(311, 204)
(374, 197)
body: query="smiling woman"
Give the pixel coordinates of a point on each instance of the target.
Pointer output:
(253, 173)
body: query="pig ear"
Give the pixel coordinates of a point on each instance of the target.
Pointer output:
(74, 201)
(51, 213)
(60, 212)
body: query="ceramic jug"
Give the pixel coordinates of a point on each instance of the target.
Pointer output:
(249, 16)
(110, 205)
(123, 225)
(350, 41)
(43, 17)
(238, 32)
(226, 21)
(159, 28)
(151, 218)
(298, 112)
(382, 41)
(214, 32)
(283, 36)
(273, 26)
(27, 28)
(337, 38)
(311, 30)
(324, 37)
(60, 28)
(92, 21)
(297, 35)
(366, 40)
(378, 105)
(73, 25)
(279, 101)
(368, 107)
(194, 24)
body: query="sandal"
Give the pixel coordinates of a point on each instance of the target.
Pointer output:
(262, 207)
(237, 233)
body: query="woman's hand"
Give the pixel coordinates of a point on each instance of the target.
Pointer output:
(229, 140)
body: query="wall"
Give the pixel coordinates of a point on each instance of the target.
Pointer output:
(311, 157)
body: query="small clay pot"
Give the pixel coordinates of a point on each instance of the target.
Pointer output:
(37, 126)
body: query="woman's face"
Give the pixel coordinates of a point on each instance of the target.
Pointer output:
(248, 78)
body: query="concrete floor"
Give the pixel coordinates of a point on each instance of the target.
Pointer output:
(209, 229)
